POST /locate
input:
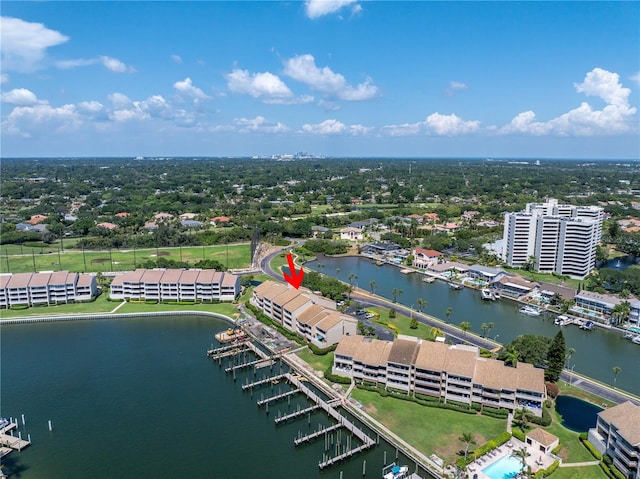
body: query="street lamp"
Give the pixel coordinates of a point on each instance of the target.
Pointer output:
(495, 338)
(411, 308)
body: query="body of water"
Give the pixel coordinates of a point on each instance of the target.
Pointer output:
(139, 398)
(597, 351)
(621, 263)
(577, 415)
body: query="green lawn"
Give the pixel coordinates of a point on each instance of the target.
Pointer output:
(402, 323)
(228, 309)
(429, 429)
(50, 258)
(319, 363)
(567, 390)
(586, 472)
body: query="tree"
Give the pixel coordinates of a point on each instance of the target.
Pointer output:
(531, 349)
(570, 352)
(483, 328)
(414, 323)
(555, 358)
(520, 419)
(421, 303)
(616, 371)
(373, 285)
(447, 313)
(621, 312)
(465, 326)
(435, 331)
(521, 454)
(490, 326)
(511, 356)
(396, 292)
(467, 439)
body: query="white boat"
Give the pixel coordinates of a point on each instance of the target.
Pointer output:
(395, 472)
(530, 311)
(629, 335)
(561, 320)
(636, 340)
(455, 285)
(487, 295)
(428, 279)
(588, 326)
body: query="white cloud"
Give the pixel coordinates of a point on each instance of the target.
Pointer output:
(24, 44)
(176, 58)
(450, 125)
(259, 124)
(269, 88)
(635, 78)
(4, 78)
(303, 69)
(455, 86)
(20, 97)
(616, 117)
(186, 88)
(42, 118)
(319, 8)
(110, 63)
(335, 127)
(406, 129)
(119, 100)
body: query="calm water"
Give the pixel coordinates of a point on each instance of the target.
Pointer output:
(597, 351)
(577, 415)
(138, 398)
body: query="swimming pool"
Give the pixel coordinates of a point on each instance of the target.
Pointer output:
(635, 329)
(505, 468)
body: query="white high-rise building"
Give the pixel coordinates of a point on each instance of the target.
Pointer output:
(561, 238)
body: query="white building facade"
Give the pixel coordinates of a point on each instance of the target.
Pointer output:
(561, 238)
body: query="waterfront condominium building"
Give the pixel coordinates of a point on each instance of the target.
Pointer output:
(46, 288)
(175, 285)
(617, 434)
(299, 310)
(449, 372)
(561, 238)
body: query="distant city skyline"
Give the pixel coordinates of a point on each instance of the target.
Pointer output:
(327, 77)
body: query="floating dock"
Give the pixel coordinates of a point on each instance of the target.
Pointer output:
(229, 335)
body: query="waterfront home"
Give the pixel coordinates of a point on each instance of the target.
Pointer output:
(317, 231)
(449, 372)
(599, 307)
(550, 290)
(448, 266)
(175, 285)
(380, 248)
(351, 234)
(617, 435)
(485, 273)
(514, 286)
(364, 224)
(425, 258)
(47, 288)
(299, 310)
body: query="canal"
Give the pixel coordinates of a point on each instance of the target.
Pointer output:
(597, 351)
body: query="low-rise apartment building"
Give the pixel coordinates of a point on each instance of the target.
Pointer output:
(450, 372)
(299, 310)
(617, 434)
(46, 288)
(600, 307)
(175, 285)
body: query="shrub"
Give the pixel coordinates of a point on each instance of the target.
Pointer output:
(551, 469)
(552, 390)
(334, 378)
(594, 452)
(518, 434)
(322, 351)
(392, 313)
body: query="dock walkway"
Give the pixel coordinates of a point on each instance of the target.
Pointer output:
(310, 437)
(8, 440)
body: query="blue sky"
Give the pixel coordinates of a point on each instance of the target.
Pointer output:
(352, 78)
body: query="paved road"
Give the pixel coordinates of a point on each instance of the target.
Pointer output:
(456, 335)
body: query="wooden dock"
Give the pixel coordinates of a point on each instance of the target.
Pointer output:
(225, 351)
(11, 441)
(261, 382)
(310, 437)
(278, 397)
(244, 365)
(295, 414)
(341, 457)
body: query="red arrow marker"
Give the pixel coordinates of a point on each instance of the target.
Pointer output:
(293, 278)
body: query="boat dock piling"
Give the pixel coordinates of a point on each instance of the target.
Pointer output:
(261, 382)
(330, 461)
(11, 441)
(278, 397)
(295, 414)
(309, 437)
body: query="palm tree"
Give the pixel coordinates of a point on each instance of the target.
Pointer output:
(421, 303)
(373, 285)
(467, 439)
(483, 328)
(396, 292)
(616, 370)
(351, 278)
(435, 331)
(520, 419)
(570, 352)
(465, 326)
(521, 454)
(320, 267)
(447, 313)
(511, 357)
(490, 326)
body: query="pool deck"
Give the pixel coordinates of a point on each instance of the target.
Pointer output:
(537, 460)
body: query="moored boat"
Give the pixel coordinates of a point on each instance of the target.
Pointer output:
(395, 472)
(530, 310)
(456, 286)
(487, 295)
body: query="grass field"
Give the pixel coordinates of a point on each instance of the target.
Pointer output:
(34, 259)
(585, 472)
(429, 429)
(319, 363)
